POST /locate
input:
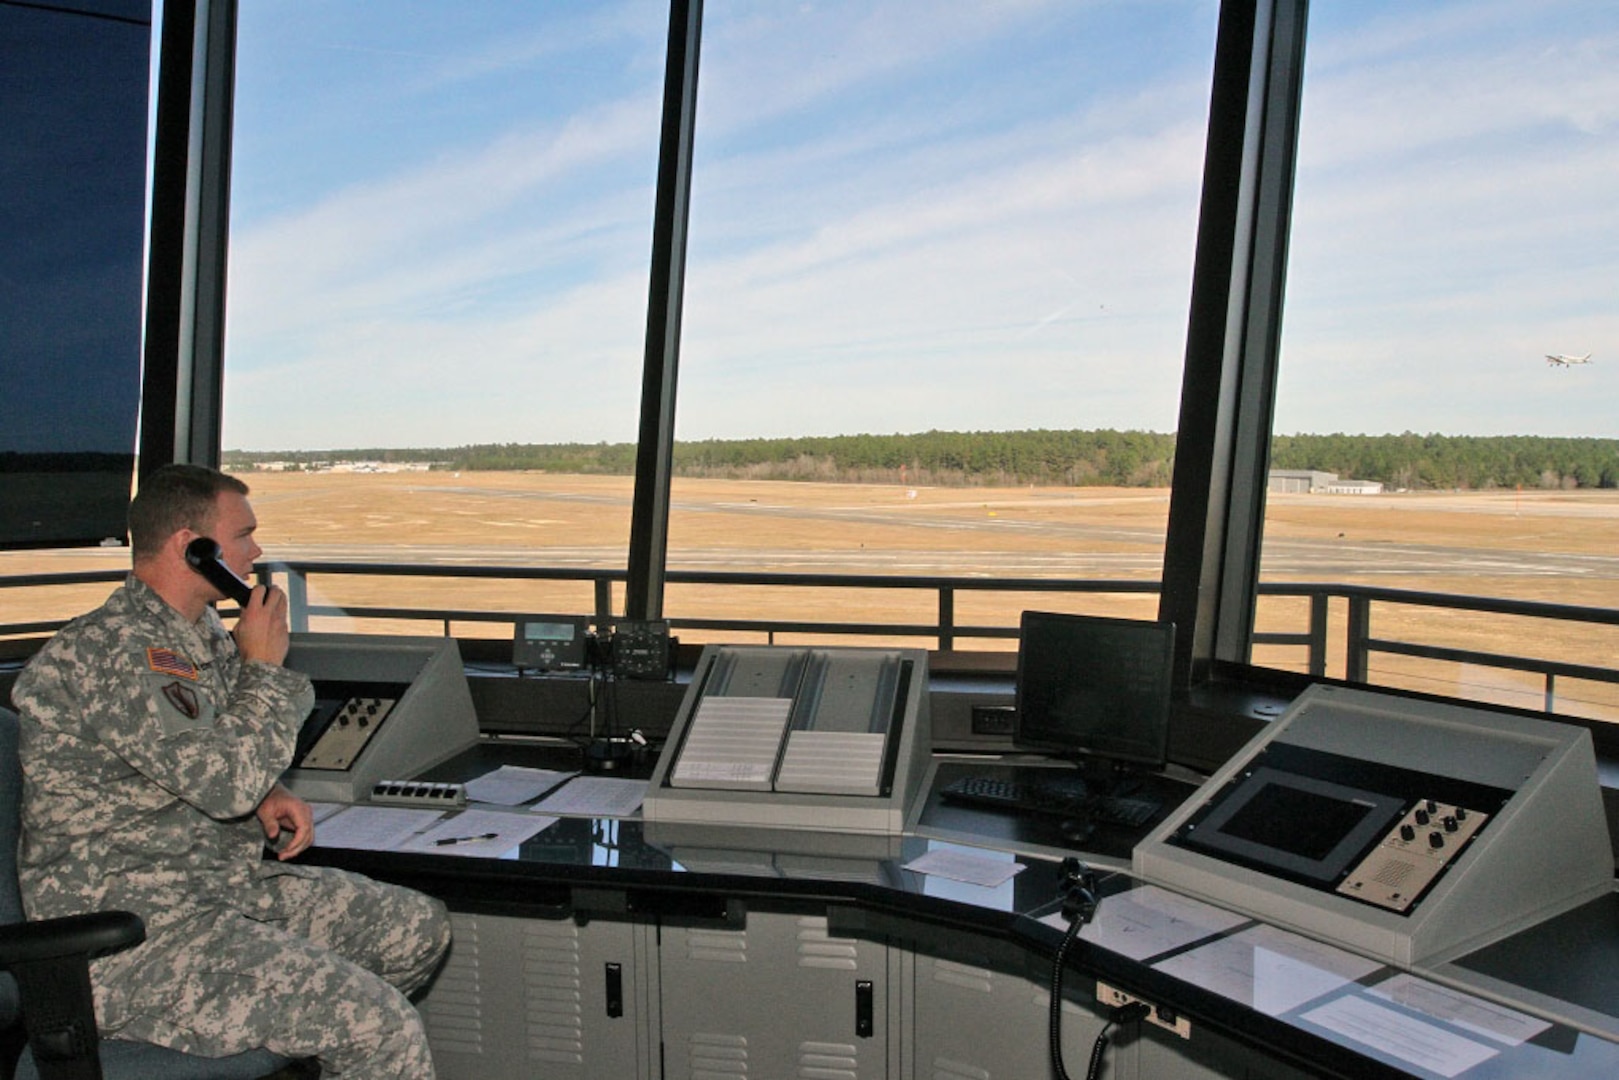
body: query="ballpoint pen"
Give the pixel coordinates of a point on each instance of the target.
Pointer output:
(448, 840)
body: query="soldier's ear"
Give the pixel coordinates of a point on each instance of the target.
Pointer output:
(178, 542)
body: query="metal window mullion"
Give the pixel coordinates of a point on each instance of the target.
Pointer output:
(1222, 449)
(654, 460)
(182, 380)
(1261, 329)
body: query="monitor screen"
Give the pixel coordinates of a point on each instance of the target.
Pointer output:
(1093, 686)
(1299, 827)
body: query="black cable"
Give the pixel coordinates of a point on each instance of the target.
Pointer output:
(1130, 1013)
(1068, 940)
(1098, 1048)
(571, 732)
(1079, 902)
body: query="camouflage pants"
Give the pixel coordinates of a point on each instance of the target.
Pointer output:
(319, 969)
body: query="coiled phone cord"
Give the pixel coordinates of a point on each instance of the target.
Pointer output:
(1079, 901)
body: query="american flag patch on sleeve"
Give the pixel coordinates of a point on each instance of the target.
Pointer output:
(169, 662)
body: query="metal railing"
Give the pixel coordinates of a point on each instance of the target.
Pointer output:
(944, 630)
(1359, 644)
(62, 580)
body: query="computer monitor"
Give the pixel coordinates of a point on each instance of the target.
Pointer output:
(1094, 688)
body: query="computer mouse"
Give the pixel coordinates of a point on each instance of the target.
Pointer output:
(1077, 830)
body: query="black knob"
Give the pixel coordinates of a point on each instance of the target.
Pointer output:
(1422, 817)
(1436, 840)
(1450, 824)
(1407, 833)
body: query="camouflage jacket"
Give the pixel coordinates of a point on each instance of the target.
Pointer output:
(146, 744)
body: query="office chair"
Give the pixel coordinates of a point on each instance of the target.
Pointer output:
(47, 1018)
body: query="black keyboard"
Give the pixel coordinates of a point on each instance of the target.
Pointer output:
(1064, 796)
(1060, 796)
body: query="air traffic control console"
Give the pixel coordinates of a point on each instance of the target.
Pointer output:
(386, 708)
(831, 739)
(1407, 830)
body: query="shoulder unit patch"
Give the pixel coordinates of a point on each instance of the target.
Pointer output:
(184, 699)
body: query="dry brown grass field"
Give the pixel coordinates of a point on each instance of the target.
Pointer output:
(1553, 546)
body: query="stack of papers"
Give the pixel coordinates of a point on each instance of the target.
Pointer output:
(595, 796)
(481, 831)
(732, 743)
(511, 785)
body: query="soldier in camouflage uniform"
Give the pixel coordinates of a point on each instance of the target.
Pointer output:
(151, 745)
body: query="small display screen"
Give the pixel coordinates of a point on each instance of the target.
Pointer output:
(1301, 827)
(1303, 823)
(550, 642)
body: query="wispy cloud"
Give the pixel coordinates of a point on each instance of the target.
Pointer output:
(917, 214)
(1454, 221)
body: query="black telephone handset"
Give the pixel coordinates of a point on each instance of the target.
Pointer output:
(206, 559)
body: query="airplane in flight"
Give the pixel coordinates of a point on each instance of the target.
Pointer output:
(1559, 360)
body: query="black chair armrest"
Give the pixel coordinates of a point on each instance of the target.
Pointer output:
(94, 933)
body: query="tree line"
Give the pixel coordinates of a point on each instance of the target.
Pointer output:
(1104, 458)
(1420, 462)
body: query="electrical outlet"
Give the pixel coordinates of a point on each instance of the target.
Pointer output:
(1166, 1018)
(994, 719)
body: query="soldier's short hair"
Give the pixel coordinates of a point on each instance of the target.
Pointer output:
(172, 498)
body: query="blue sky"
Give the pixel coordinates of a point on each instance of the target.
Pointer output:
(906, 215)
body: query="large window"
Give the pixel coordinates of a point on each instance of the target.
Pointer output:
(934, 248)
(1445, 419)
(440, 227)
(916, 228)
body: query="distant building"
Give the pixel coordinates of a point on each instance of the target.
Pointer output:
(1311, 482)
(379, 466)
(1353, 487)
(1297, 481)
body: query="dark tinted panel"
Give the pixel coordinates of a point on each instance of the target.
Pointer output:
(72, 204)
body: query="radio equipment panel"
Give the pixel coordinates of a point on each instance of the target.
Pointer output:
(1405, 829)
(384, 707)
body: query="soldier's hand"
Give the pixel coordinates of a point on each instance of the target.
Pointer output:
(289, 823)
(261, 632)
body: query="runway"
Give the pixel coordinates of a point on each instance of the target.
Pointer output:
(1546, 544)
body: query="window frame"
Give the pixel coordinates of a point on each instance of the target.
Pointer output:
(1217, 501)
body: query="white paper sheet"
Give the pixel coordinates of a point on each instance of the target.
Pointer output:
(1464, 1010)
(595, 796)
(482, 834)
(1399, 1035)
(511, 785)
(1147, 921)
(1268, 969)
(373, 828)
(968, 866)
(324, 810)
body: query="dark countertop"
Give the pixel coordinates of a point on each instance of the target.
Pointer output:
(607, 868)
